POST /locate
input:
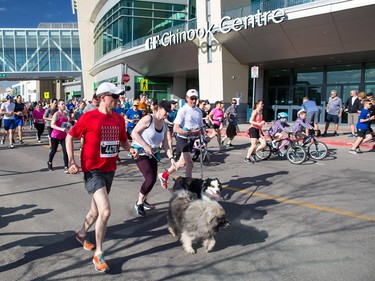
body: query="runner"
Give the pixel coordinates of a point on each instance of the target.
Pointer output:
(7, 108)
(104, 131)
(19, 113)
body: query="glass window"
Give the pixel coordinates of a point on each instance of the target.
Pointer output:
(340, 74)
(162, 6)
(162, 14)
(308, 76)
(279, 77)
(140, 4)
(143, 13)
(370, 72)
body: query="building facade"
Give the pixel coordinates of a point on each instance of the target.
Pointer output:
(299, 47)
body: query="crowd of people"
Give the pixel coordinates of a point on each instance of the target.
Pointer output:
(142, 127)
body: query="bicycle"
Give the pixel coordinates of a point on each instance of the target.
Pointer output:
(294, 152)
(200, 146)
(315, 149)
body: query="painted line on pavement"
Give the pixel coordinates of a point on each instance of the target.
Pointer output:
(307, 205)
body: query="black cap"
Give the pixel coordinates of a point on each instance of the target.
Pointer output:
(370, 95)
(94, 97)
(166, 105)
(173, 102)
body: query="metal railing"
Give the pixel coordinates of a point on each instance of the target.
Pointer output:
(263, 6)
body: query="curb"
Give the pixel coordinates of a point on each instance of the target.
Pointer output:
(327, 141)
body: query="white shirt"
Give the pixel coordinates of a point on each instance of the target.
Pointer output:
(8, 107)
(189, 118)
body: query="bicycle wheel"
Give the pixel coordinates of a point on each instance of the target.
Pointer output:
(264, 153)
(317, 150)
(296, 154)
(206, 159)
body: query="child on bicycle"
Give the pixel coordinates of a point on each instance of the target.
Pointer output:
(277, 128)
(301, 125)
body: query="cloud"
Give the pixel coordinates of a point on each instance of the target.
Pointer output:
(3, 9)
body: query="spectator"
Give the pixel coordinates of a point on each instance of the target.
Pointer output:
(232, 117)
(169, 121)
(143, 106)
(352, 107)
(312, 114)
(93, 105)
(216, 117)
(334, 112)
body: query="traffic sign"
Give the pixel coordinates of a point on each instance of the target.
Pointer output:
(125, 78)
(144, 85)
(255, 72)
(46, 95)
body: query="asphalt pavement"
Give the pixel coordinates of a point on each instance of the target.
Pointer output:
(313, 221)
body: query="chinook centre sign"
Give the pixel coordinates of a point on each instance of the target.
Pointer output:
(226, 25)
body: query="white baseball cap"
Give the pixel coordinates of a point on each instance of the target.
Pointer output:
(301, 111)
(107, 87)
(192, 93)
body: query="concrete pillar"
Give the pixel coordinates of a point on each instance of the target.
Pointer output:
(221, 76)
(179, 87)
(86, 38)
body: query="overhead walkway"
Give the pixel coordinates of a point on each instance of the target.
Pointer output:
(50, 51)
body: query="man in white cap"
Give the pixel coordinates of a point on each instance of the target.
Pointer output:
(188, 126)
(104, 131)
(7, 108)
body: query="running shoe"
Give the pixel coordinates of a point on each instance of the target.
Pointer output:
(358, 150)
(223, 147)
(39, 141)
(21, 141)
(353, 151)
(66, 170)
(2, 141)
(85, 242)
(49, 165)
(250, 160)
(99, 262)
(36, 135)
(351, 136)
(163, 180)
(148, 206)
(335, 134)
(11, 146)
(140, 210)
(230, 145)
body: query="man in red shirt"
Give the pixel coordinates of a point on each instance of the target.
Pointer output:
(104, 131)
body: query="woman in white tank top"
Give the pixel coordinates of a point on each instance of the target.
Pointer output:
(148, 134)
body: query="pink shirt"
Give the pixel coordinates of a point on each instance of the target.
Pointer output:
(218, 116)
(258, 118)
(38, 115)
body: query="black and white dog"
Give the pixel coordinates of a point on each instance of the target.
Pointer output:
(193, 214)
(210, 187)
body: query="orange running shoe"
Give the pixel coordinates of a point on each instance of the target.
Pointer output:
(87, 245)
(99, 262)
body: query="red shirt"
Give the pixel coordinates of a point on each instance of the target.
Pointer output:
(102, 133)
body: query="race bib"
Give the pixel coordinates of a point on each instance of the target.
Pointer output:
(109, 149)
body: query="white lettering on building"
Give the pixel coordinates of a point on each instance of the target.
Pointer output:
(226, 25)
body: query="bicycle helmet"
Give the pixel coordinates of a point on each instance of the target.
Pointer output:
(282, 115)
(301, 111)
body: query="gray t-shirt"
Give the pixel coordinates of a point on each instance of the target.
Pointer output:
(334, 106)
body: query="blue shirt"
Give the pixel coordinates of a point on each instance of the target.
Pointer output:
(310, 106)
(119, 110)
(172, 115)
(365, 113)
(133, 115)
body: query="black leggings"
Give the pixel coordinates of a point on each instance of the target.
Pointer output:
(40, 129)
(52, 152)
(149, 169)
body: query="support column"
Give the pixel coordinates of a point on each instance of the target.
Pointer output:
(221, 76)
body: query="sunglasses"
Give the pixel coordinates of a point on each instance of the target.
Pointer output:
(115, 96)
(193, 98)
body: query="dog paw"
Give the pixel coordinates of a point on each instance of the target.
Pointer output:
(171, 231)
(190, 250)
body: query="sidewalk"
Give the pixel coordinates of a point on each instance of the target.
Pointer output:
(341, 140)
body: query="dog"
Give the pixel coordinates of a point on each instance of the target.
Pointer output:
(193, 220)
(210, 187)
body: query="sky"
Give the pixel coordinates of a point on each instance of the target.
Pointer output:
(29, 13)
